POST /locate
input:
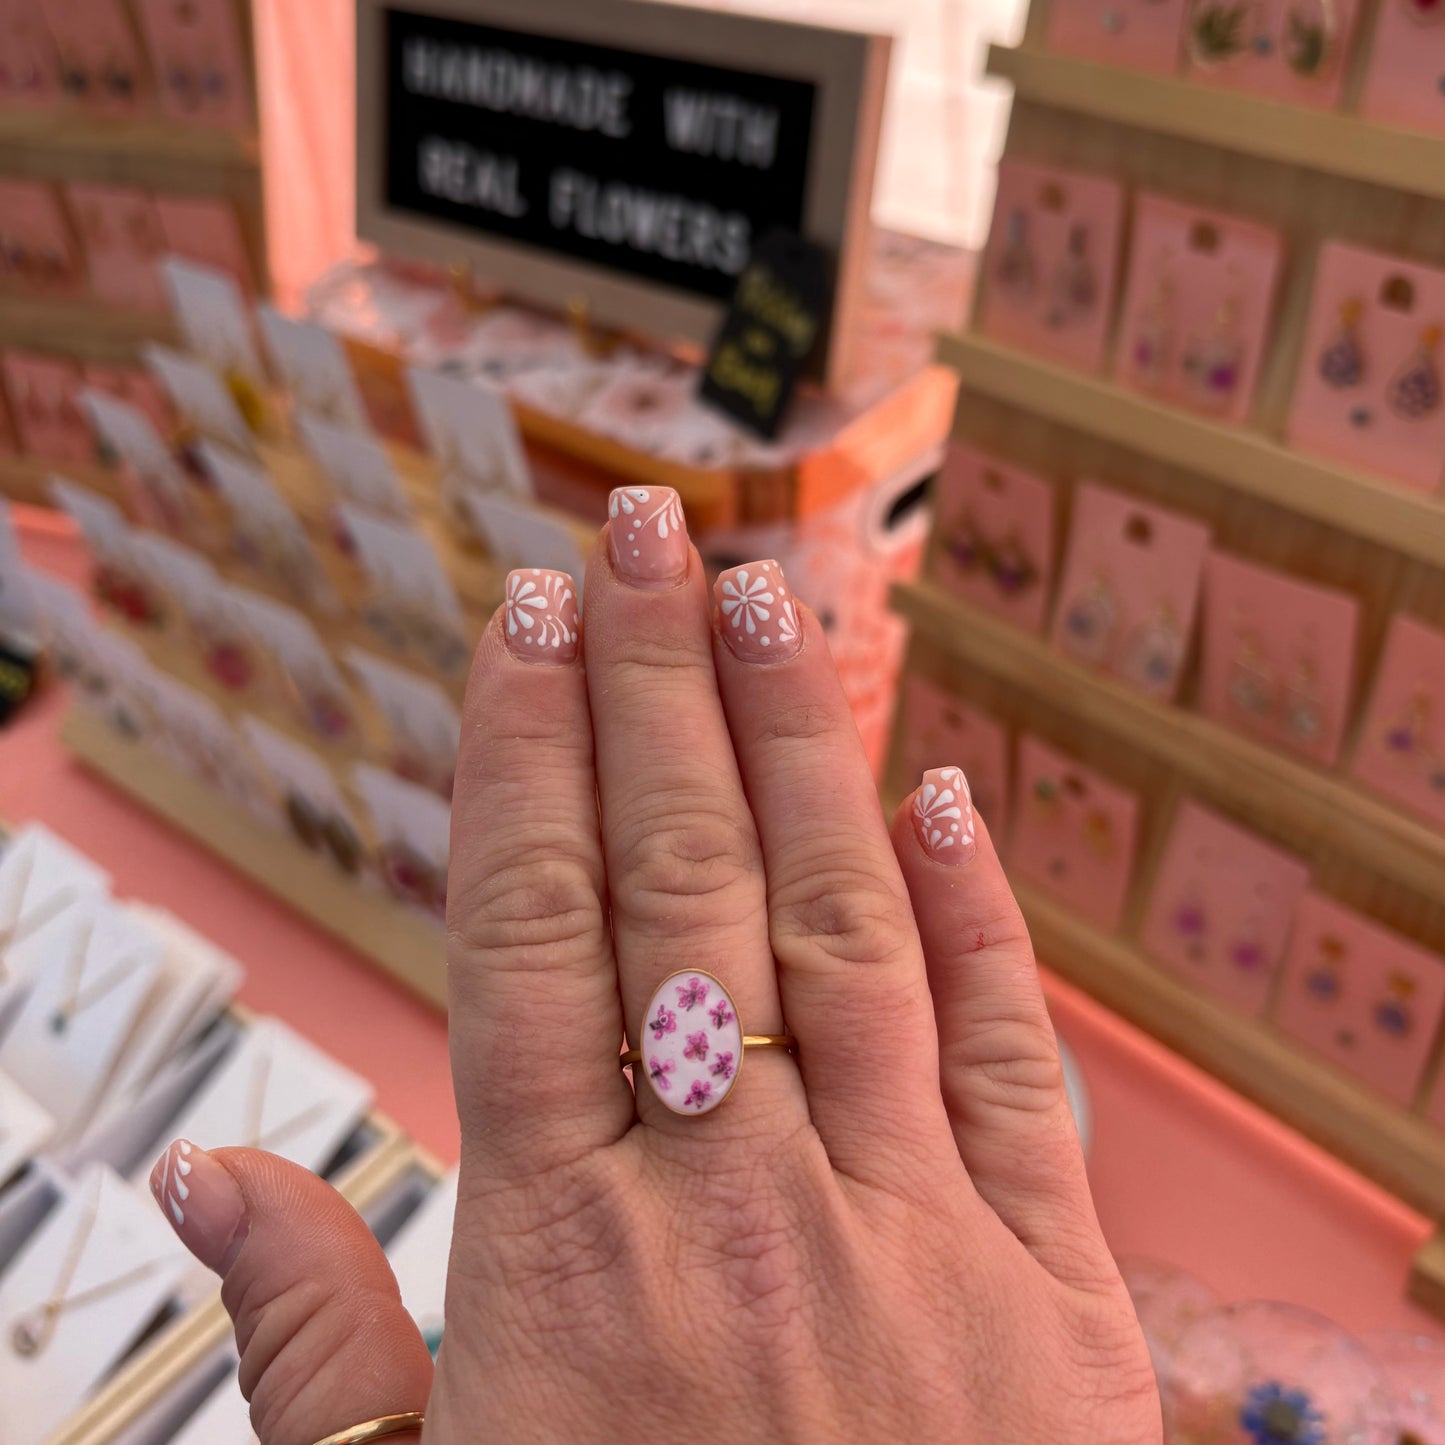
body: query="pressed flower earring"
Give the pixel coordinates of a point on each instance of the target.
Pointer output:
(1392, 1013)
(1154, 653)
(1012, 570)
(1152, 346)
(1090, 622)
(1251, 685)
(1322, 981)
(1075, 288)
(1308, 37)
(1212, 363)
(1015, 270)
(1342, 362)
(964, 545)
(1247, 952)
(1415, 389)
(1191, 923)
(1304, 711)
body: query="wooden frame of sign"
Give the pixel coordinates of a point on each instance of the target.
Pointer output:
(763, 125)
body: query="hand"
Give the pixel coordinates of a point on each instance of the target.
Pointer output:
(886, 1237)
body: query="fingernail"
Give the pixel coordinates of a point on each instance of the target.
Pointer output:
(759, 621)
(202, 1203)
(943, 816)
(648, 536)
(541, 615)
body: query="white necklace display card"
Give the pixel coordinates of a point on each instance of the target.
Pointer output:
(76, 1296)
(200, 397)
(25, 1128)
(224, 1418)
(470, 429)
(212, 316)
(17, 607)
(419, 1256)
(357, 467)
(313, 364)
(518, 535)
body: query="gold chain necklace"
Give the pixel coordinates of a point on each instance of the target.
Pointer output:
(26, 925)
(78, 998)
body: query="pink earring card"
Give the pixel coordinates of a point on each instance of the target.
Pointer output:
(1405, 84)
(29, 68)
(1197, 306)
(101, 66)
(1074, 833)
(1139, 34)
(44, 392)
(1130, 588)
(996, 525)
(1294, 50)
(121, 236)
(1278, 656)
(939, 731)
(1222, 907)
(205, 230)
(1050, 272)
(199, 59)
(1369, 390)
(37, 253)
(1401, 747)
(1367, 999)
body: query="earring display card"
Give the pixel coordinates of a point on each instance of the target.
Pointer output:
(128, 433)
(1294, 50)
(120, 231)
(356, 467)
(193, 587)
(102, 526)
(1222, 907)
(1197, 306)
(200, 397)
(1140, 34)
(101, 66)
(1405, 84)
(19, 618)
(135, 387)
(518, 534)
(470, 429)
(26, 1130)
(425, 727)
(995, 523)
(204, 230)
(419, 1256)
(45, 392)
(1278, 656)
(210, 309)
(313, 365)
(1050, 271)
(193, 734)
(412, 826)
(199, 58)
(1369, 388)
(37, 255)
(940, 731)
(1367, 999)
(30, 74)
(1401, 747)
(1130, 589)
(41, 877)
(75, 1298)
(1074, 833)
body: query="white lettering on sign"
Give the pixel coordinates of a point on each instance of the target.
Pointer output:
(580, 97)
(456, 172)
(692, 233)
(724, 126)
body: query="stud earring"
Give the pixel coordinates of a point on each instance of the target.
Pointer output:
(1090, 622)
(1046, 798)
(1323, 979)
(964, 545)
(1246, 952)
(1392, 1013)
(1251, 685)
(1154, 653)
(1191, 923)
(1406, 736)
(1342, 362)
(1308, 37)
(1098, 833)
(1212, 362)
(1152, 346)
(1074, 287)
(1415, 390)
(1216, 33)
(1012, 571)
(1015, 272)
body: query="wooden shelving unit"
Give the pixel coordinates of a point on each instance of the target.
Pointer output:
(26, 480)
(80, 328)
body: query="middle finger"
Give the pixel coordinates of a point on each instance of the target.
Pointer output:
(684, 869)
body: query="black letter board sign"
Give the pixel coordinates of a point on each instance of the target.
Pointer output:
(626, 152)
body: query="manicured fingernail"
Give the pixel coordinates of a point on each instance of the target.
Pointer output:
(943, 816)
(541, 615)
(648, 536)
(759, 621)
(202, 1203)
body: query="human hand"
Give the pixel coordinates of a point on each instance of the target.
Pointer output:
(888, 1236)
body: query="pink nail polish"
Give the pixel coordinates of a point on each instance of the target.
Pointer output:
(648, 536)
(541, 615)
(758, 619)
(943, 816)
(202, 1203)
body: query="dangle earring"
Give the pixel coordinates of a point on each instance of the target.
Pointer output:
(1152, 346)
(1212, 362)
(1392, 1013)
(1154, 653)
(1246, 952)
(1090, 622)
(1304, 712)
(1074, 287)
(1342, 362)
(964, 545)
(1015, 271)
(1251, 686)
(1415, 389)
(1323, 979)
(1099, 833)
(1406, 737)
(1308, 37)
(1011, 568)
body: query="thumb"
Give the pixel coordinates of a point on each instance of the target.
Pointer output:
(324, 1340)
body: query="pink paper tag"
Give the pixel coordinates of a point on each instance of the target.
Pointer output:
(99, 56)
(43, 391)
(1405, 84)
(1278, 656)
(1140, 34)
(1369, 386)
(199, 60)
(121, 234)
(1401, 748)
(1197, 306)
(1074, 833)
(1050, 272)
(1367, 999)
(1130, 588)
(939, 731)
(37, 254)
(29, 68)
(996, 525)
(1222, 907)
(200, 228)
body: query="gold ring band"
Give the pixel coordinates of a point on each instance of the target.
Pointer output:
(750, 1041)
(381, 1428)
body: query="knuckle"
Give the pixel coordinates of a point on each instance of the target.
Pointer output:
(839, 915)
(695, 854)
(1005, 1063)
(527, 914)
(804, 722)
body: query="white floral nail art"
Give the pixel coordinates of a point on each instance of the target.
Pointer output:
(759, 617)
(648, 536)
(541, 611)
(943, 815)
(747, 599)
(169, 1185)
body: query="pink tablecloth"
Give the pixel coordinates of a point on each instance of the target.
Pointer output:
(1183, 1170)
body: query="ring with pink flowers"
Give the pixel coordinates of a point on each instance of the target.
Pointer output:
(693, 1043)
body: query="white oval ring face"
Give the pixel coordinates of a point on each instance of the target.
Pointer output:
(692, 1043)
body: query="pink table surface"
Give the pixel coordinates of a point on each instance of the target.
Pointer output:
(1183, 1169)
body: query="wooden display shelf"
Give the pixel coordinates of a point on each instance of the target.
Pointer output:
(374, 924)
(26, 480)
(1239, 457)
(1427, 1275)
(1253, 780)
(82, 328)
(1401, 1151)
(1320, 140)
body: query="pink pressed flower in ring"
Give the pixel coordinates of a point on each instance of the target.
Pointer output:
(691, 995)
(659, 1069)
(698, 1095)
(664, 1023)
(720, 1014)
(696, 1046)
(723, 1066)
